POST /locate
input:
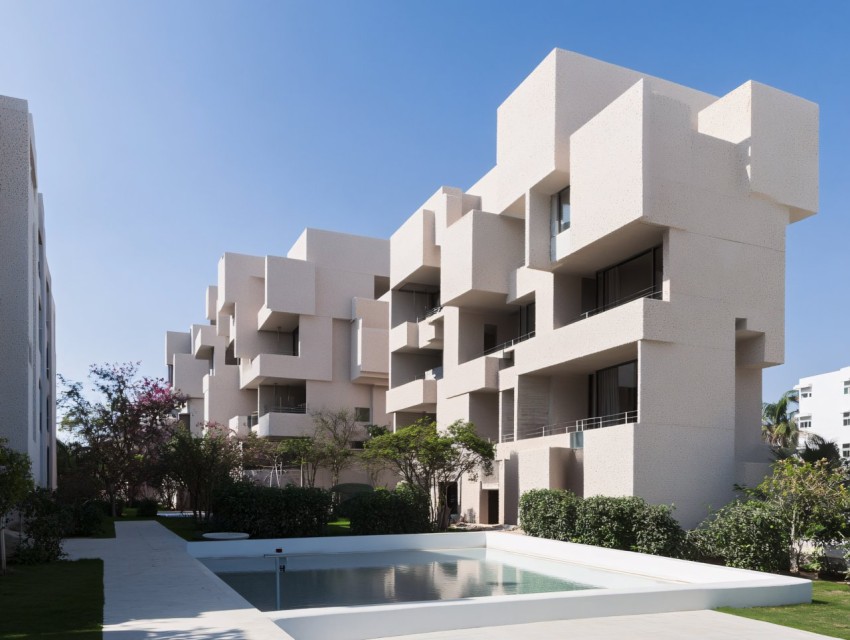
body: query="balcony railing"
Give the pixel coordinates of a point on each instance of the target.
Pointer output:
(431, 312)
(298, 408)
(574, 426)
(650, 292)
(432, 374)
(505, 345)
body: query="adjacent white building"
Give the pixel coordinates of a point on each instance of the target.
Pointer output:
(289, 336)
(824, 407)
(603, 301)
(27, 314)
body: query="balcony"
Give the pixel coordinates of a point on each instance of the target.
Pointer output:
(284, 422)
(272, 367)
(404, 338)
(576, 427)
(417, 395)
(480, 374)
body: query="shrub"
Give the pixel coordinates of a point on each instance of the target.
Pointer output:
(549, 513)
(747, 535)
(43, 523)
(86, 519)
(270, 512)
(147, 508)
(658, 532)
(382, 512)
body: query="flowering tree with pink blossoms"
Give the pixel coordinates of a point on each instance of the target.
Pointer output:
(124, 428)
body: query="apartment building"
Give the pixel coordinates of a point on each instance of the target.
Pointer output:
(824, 407)
(287, 337)
(602, 302)
(27, 314)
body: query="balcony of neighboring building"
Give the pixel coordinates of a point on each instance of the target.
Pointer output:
(479, 254)
(414, 254)
(417, 320)
(369, 342)
(281, 411)
(289, 291)
(204, 340)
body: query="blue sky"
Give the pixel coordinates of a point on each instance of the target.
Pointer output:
(160, 123)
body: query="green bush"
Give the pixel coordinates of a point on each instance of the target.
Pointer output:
(549, 513)
(270, 512)
(86, 519)
(43, 523)
(147, 508)
(629, 523)
(747, 535)
(382, 512)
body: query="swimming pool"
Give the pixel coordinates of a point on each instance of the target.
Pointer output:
(386, 577)
(621, 582)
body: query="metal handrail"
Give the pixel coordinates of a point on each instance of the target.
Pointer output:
(574, 426)
(650, 292)
(507, 344)
(431, 312)
(431, 374)
(282, 409)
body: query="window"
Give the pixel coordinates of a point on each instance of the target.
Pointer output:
(490, 333)
(561, 211)
(527, 319)
(614, 390)
(805, 422)
(845, 450)
(806, 392)
(847, 387)
(846, 418)
(638, 277)
(362, 414)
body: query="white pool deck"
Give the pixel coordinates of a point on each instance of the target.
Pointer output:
(154, 589)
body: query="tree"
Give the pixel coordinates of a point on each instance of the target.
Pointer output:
(15, 484)
(429, 459)
(813, 501)
(815, 448)
(779, 421)
(122, 431)
(202, 464)
(334, 433)
(307, 453)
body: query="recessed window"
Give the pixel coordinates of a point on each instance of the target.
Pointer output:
(846, 418)
(362, 414)
(806, 392)
(805, 422)
(847, 387)
(845, 450)
(561, 211)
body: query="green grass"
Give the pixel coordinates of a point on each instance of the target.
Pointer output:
(57, 600)
(828, 614)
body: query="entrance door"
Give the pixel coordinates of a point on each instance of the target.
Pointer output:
(493, 507)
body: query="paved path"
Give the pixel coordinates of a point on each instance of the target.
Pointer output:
(156, 591)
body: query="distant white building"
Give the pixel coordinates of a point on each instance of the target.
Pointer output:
(825, 407)
(287, 337)
(27, 317)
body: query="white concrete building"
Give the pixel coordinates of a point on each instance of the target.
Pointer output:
(288, 336)
(603, 301)
(27, 314)
(824, 407)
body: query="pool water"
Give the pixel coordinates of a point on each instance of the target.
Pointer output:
(398, 576)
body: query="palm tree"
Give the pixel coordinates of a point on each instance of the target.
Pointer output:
(779, 421)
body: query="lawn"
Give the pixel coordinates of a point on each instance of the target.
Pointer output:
(56, 600)
(828, 614)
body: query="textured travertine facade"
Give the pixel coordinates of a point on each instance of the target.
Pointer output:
(27, 314)
(289, 336)
(602, 302)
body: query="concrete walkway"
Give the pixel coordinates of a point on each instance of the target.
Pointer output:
(156, 591)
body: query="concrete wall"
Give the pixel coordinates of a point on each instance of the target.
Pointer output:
(27, 312)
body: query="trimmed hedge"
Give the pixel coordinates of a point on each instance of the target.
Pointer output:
(628, 523)
(549, 513)
(147, 508)
(270, 512)
(747, 535)
(383, 512)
